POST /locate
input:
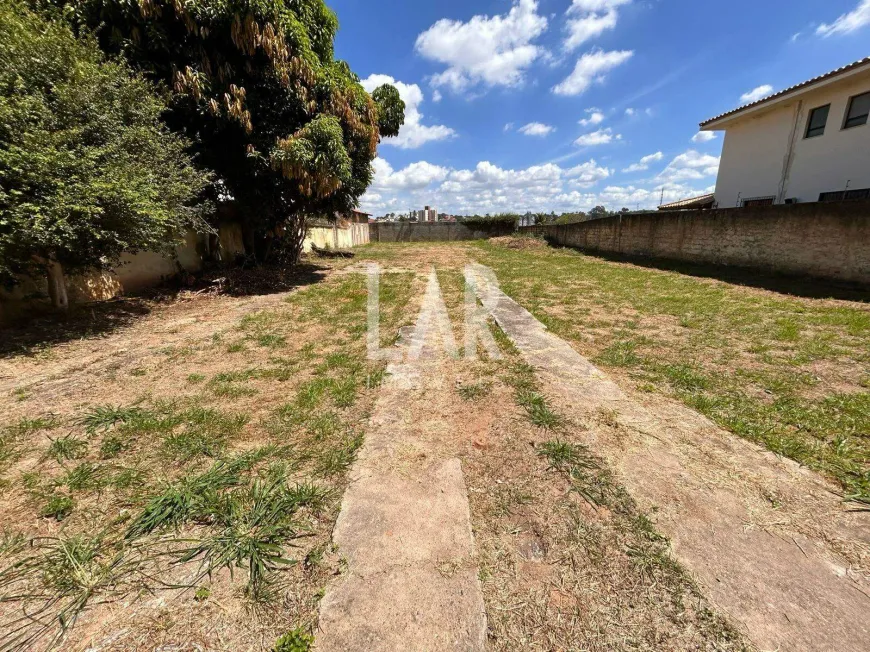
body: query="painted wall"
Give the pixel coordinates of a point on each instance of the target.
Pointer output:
(427, 232)
(343, 236)
(823, 240)
(755, 156)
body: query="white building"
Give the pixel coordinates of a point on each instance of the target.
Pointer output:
(810, 142)
(426, 215)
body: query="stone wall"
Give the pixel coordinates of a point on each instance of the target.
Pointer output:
(433, 231)
(823, 240)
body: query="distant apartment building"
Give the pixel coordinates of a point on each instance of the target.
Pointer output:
(808, 143)
(426, 215)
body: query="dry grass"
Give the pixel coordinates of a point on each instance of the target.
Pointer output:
(567, 560)
(196, 476)
(787, 372)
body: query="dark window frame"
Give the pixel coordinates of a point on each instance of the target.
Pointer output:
(810, 127)
(864, 116)
(749, 202)
(845, 195)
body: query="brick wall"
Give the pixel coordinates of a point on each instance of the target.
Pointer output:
(432, 232)
(823, 240)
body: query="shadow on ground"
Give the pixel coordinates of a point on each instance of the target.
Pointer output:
(799, 286)
(31, 333)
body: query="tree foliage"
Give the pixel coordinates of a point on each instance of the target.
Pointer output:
(87, 169)
(255, 85)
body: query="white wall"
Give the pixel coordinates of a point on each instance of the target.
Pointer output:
(754, 156)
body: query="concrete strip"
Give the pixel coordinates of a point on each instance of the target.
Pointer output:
(787, 593)
(405, 527)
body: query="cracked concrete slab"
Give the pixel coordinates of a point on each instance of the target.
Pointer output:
(405, 528)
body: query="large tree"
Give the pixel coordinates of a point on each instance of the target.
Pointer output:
(88, 170)
(255, 85)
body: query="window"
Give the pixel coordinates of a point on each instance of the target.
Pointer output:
(818, 120)
(859, 108)
(758, 201)
(840, 195)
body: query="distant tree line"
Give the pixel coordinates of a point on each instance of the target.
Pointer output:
(529, 218)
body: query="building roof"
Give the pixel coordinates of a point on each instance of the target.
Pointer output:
(691, 202)
(803, 86)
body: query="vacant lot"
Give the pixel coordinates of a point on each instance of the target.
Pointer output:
(173, 478)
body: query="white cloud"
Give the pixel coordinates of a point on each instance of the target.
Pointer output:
(415, 176)
(691, 165)
(536, 129)
(630, 112)
(509, 127)
(596, 117)
(756, 94)
(413, 134)
(491, 51)
(436, 95)
(484, 188)
(644, 162)
(586, 174)
(704, 137)
(591, 67)
(854, 20)
(600, 137)
(587, 19)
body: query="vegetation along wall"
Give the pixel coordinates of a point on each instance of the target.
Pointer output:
(435, 231)
(823, 240)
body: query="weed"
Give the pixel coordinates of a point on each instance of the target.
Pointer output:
(185, 446)
(537, 410)
(188, 497)
(343, 392)
(474, 391)
(84, 477)
(195, 379)
(253, 526)
(104, 417)
(202, 594)
(619, 354)
(59, 581)
(229, 390)
(296, 641)
(111, 447)
(375, 378)
(272, 341)
(333, 461)
(562, 455)
(236, 347)
(57, 507)
(67, 448)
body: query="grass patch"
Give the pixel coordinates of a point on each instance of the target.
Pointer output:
(537, 409)
(474, 391)
(57, 507)
(766, 366)
(67, 448)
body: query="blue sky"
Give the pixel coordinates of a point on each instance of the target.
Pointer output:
(543, 105)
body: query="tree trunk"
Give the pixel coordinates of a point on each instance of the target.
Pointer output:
(294, 239)
(57, 286)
